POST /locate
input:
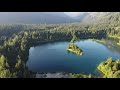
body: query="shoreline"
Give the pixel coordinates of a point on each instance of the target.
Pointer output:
(62, 75)
(52, 75)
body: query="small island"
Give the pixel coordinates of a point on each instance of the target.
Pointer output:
(75, 49)
(110, 68)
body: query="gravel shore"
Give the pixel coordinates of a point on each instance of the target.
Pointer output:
(53, 75)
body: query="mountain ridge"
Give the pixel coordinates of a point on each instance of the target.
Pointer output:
(34, 18)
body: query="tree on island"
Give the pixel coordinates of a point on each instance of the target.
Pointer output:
(74, 39)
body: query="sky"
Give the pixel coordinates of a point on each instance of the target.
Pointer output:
(73, 14)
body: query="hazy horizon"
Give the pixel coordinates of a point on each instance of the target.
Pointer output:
(38, 17)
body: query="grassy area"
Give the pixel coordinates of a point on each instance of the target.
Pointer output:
(110, 68)
(118, 43)
(114, 36)
(99, 41)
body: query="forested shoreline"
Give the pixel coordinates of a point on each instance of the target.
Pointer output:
(15, 41)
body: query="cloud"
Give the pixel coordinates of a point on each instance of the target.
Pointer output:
(73, 14)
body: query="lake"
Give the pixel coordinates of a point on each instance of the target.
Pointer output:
(53, 57)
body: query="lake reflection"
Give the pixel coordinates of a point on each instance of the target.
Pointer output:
(53, 57)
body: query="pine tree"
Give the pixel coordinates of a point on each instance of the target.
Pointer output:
(19, 63)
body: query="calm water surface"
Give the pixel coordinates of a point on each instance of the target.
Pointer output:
(53, 57)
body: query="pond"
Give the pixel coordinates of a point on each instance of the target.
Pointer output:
(53, 57)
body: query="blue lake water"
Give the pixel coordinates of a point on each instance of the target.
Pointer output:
(53, 57)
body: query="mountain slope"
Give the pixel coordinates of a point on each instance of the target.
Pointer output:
(34, 17)
(102, 17)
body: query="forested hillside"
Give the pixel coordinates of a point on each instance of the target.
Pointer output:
(107, 21)
(101, 17)
(16, 39)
